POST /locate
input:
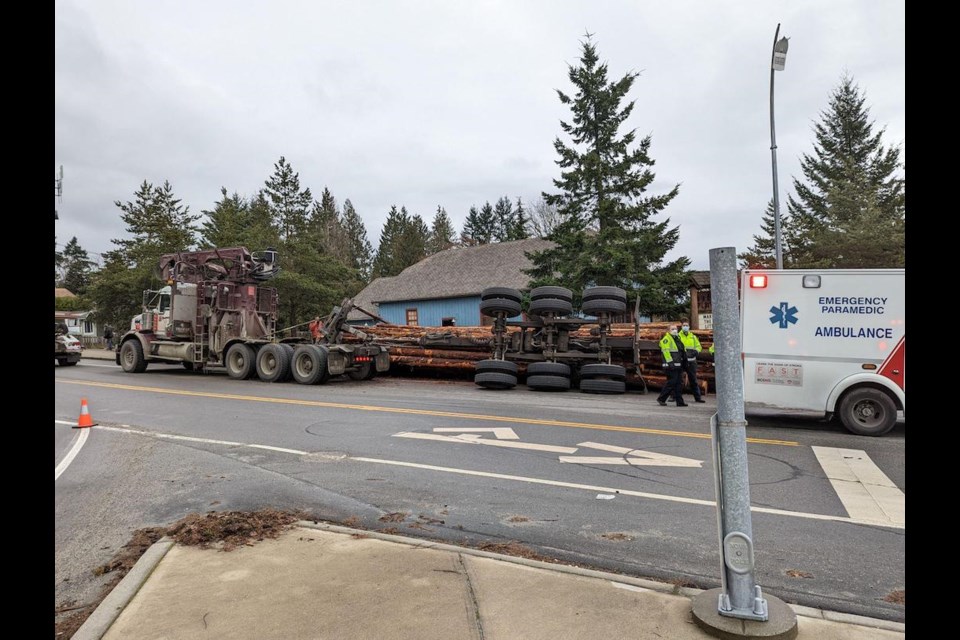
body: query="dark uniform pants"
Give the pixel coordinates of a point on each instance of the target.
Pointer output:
(674, 385)
(691, 370)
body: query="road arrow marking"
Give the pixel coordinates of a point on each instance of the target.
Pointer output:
(634, 457)
(468, 438)
(502, 433)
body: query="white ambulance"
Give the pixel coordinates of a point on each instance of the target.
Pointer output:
(829, 341)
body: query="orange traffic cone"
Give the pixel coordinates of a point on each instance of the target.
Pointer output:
(85, 420)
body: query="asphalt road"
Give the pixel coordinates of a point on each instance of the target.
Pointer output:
(613, 482)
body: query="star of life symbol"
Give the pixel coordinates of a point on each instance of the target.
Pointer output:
(785, 315)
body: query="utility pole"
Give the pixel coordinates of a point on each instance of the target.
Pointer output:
(58, 191)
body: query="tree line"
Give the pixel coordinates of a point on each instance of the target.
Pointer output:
(606, 227)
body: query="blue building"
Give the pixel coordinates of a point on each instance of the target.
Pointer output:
(444, 289)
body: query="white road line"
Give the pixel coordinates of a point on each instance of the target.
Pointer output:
(866, 493)
(475, 439)
(64, 422)
(74, 450)
(555, 483)
(169, 436)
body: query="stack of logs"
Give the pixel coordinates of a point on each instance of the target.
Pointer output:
(421, 349)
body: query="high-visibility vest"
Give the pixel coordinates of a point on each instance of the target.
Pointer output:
(691, 343)
(669, 348)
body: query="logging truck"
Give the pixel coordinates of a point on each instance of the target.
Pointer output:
(829, 341)
(554, 358)
(215, 312)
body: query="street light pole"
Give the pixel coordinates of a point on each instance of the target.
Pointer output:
(777, 61)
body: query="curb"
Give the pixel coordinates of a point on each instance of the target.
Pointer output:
(652, 585)
(116, 601)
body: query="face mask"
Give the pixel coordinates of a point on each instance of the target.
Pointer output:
(686, 327)
(673, 332)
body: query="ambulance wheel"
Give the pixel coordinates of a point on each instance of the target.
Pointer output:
(868, 412)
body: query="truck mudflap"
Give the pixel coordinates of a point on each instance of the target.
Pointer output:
(336, 362)
(382, 361)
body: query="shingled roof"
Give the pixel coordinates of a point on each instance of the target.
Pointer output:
(456, 272)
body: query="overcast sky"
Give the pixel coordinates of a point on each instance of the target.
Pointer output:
(449, 102)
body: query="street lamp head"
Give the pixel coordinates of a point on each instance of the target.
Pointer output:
(780, 53)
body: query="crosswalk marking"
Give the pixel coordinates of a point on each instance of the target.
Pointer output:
(866, 493)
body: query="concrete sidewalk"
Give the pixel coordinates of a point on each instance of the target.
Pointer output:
(325, 581)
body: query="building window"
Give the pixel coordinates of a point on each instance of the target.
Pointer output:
(412, 317)
(448, 322)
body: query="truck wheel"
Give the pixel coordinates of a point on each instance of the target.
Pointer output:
(240, 362)
(273, 363)
(596, 306)
(548, 383)
(501, 292)
(868, 412)
(365, 372)
(599, 385)
(598, 370)
(548, 369)
(496, 366)
(309, 364)
(492, 306)
(131, 357)
(560, 293)
(607, 293)
(556, 306)
(495, 380)
(289, 349)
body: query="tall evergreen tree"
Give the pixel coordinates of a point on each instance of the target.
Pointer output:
(76, 268)
(57, 264)
(763, 252)
(518, 229)
(412, 245)
(442, 234)
(472, 229)
(603, 183)
(386, 262)
(289, 205)
(851, 209)
(227, 224)
(326, 223)
(502, 219)
(360, 249)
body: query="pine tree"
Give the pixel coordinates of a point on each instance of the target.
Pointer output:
(359, 248)
(386, 261)
(519, 228)
(603, 185)
(289, 205)
(228, 224)
(763, 253)
(472, 231)
(442, 234)
(76, 268)
(502, 219)
(850, 211)
(412, 244)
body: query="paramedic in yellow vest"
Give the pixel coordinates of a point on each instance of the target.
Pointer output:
(692, 346)
(673, 355)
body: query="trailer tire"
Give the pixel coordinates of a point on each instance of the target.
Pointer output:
(596, 306)
(310, 364)
(240, 361)
(495, 380)
(501, 292)
(273, 363)
(131, 357)
(548, 383)
(548, 369)
(289, 349)
(492, 306)
(555, 306)
(606, 293)
(560, 293)
(601, 385)
(868, 412)
(496, 366)
(599, 371)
